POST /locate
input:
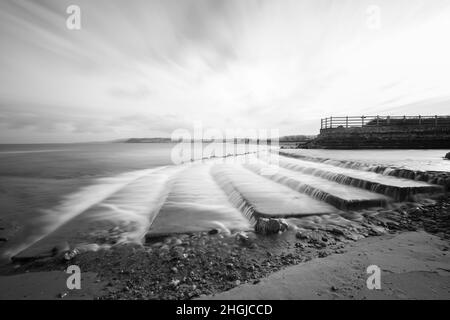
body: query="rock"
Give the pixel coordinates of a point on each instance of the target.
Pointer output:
(213, 231)
(253, 246)
(242, 237)
(270, 226)
(69, 255)
(62, 295)
(376, 231)
(3, 239)
(414, 210)
(302, 236)
(177, 242)
(447, 156)
(238, 282)
(157, 244)
(175, 282)
(337, 232)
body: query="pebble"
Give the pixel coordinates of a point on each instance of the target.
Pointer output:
(301, 235)
(175, 282)
(177, 242)
(213, 231)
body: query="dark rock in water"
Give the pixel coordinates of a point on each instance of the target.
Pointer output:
(3, 239)
(447, 156)
(213, 231)
(270, 226)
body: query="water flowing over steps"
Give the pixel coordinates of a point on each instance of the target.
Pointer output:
(286, 193)
(196, 203)
(441, 178)
(206, 195)
(257, 196)
(398, 188)
(124, 215)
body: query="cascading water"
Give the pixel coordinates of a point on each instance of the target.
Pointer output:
(399, 189)
(437, 173)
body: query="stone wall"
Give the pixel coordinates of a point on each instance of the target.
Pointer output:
(383, 137)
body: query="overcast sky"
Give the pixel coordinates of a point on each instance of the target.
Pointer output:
(145, 68)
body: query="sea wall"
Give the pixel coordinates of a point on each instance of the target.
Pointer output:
(383, 137)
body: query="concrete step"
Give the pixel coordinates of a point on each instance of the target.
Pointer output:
(398, 188)
(257, 196)
(196, 203)
(341, 196)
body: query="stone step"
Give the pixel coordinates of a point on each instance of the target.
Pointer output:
(341, 196)
(398, 188)
(196, 203)
(257, 196)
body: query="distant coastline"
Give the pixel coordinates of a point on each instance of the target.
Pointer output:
(293, 139)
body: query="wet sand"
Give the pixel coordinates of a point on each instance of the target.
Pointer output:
(414, 265)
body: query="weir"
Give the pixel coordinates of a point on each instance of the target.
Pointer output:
(196, 203)
(434, 177)
(224, 194)
(257, 196)
(341, 196)
(398, 188)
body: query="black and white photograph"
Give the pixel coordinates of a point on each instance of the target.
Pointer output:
(225, 153)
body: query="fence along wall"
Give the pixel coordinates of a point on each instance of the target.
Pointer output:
(394, 132)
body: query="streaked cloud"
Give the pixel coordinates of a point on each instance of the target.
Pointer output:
(144, 68)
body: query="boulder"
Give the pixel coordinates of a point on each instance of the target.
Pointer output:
(270, 226)
(447, 156)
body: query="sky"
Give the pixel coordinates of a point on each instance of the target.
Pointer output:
(146, 68)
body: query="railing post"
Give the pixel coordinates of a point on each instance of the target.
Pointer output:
(388, 120)
(378, 120)
(346, 121)
(331, 122)
(420, 120)
(362, 121)
(435, 120)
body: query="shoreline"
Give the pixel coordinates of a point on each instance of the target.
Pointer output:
(202, 264)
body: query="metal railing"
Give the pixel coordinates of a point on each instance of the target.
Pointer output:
(378, 121)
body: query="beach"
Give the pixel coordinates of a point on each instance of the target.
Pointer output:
(210, 248)
(410, 248)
